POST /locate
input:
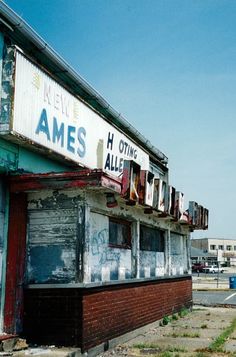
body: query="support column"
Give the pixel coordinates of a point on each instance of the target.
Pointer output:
(15, 263)
(135, 231)
(83, 239)
(167, 253)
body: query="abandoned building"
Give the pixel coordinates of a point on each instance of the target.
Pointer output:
(94, 241)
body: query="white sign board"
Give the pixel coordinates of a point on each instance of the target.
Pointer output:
(47, 114)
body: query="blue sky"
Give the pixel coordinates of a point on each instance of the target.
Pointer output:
(169, 66)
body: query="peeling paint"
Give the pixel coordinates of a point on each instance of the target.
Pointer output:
(52, 235)
(7, 90)
(76, 237)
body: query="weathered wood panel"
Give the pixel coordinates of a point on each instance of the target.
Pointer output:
(52, 237)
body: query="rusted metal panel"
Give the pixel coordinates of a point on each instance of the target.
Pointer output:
(146, 188)
(131, 181)
(15, 267)
(198, 216)
(171, 200)
(52, 237)
(160, 195)
(179, 204)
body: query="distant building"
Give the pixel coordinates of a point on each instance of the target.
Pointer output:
(198, 255)
(224, 249)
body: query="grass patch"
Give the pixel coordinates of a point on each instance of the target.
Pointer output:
(185, 334)
(175, 349)
(141, 346)
(218, 343)
(165, 354)
(201, 354)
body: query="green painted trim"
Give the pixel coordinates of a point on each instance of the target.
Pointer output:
(7, 145)
(8, 156)
(34, 162)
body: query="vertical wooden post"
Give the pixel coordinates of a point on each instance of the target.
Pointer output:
(135, 231)
(167, 253)
(15, 264)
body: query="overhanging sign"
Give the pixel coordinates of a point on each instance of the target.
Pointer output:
(47, 114)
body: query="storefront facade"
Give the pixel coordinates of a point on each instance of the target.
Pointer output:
(94, 239)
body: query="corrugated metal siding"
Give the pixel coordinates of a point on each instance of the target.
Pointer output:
(52, 237)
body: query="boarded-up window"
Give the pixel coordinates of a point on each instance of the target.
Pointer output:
(152, 239)
(177, 244)
(119, 233)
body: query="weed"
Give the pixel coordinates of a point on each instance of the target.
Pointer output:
(175, 317)
(217, 345)
(183, 312)
(204, 326)
(165, 320)
(165, 354)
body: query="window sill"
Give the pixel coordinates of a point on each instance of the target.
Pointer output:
(110, 245)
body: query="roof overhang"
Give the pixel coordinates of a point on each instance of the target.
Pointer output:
(76, 179)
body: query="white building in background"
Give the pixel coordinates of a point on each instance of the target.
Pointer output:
(225, 249)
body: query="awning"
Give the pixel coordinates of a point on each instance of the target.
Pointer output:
(80, 179)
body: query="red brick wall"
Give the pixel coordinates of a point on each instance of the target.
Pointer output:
(114, 311)
(88, 317)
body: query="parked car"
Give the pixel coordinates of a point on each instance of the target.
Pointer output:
(198, 267)
(213, 269)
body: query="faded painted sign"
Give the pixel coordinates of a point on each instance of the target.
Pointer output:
(47, 114)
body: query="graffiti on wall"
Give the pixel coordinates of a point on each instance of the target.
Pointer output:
(106, 263)
(100, 248)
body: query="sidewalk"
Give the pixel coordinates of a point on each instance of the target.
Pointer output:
(188, 336)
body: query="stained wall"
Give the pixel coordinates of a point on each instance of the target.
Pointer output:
(68, 240)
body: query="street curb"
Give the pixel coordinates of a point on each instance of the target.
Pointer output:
(212, 289)
(227, 306)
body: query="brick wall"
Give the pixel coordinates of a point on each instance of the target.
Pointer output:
(53, 316)
(88, 317)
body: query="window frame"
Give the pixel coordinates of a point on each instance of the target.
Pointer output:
(125, 245)
(162, 231)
